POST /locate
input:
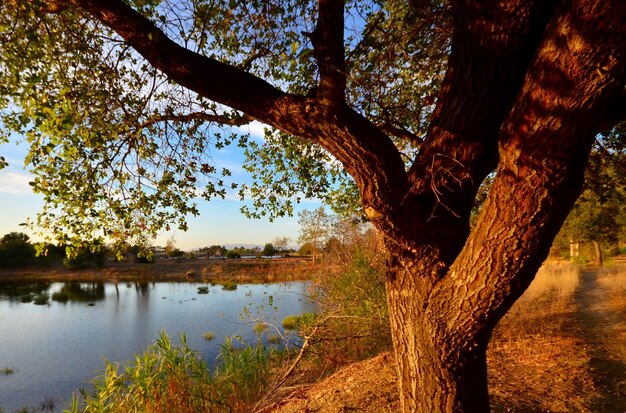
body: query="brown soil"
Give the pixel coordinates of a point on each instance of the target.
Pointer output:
(367, 386)
(579, 363)
(253, 270)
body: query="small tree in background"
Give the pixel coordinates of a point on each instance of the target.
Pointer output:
(269, 250)
(16, 250)
(233, 255)
(90, 253)
(598, 219)
(306, 249)
(170, 249)
(142, 251)
(280, 243)
(315, 228)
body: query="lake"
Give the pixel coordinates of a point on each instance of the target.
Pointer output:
(56, 342)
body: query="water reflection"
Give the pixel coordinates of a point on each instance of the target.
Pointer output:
(80, 292)
(41, 292)
(25, 292)
(58, 346)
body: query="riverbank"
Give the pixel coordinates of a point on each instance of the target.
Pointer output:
(211, 271)
(561, 348)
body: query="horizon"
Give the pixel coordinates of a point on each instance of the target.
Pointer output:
(220, 221)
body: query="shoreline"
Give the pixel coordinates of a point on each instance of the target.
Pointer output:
(189, 270)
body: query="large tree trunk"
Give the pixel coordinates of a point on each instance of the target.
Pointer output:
(436, 371)
(442, 314)
(441, 325)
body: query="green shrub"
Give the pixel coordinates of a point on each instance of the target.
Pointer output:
(290, 322)
(355, 298)
(298, 322)
(85, 256)
(232, 255)
(16, 250)
(168, 378)
(229, 285)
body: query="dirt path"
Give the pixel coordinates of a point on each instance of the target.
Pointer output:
(603, 327)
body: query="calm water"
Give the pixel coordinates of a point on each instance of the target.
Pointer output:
(58, 346)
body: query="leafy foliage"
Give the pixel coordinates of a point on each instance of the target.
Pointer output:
(353, 322)
(109, 154)
(269, 250)
(599, 215)
(233, 255)
(93, 253)
(315, 227)
(118, 150)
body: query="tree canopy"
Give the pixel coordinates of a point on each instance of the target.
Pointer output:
(119, 147)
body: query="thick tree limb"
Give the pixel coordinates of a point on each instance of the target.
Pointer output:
(578, 74)
(367, 153)
(209, 77)
(492, 45)
(329, 52)
(202, 116)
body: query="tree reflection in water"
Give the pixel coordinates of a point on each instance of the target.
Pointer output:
(80, 292)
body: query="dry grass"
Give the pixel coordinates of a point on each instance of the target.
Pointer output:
(541, 358)
(551, 291)
(613, 280)
(536, 360)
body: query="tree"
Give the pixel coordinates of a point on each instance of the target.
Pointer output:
(15, 237)
(171, 250)
(598, 217)
(215, 250)
(269, 250)
(416, 102)
(94, 252)
(314, 229)
(280, 243)
(16, 250)
(232, 255)
(306, 249)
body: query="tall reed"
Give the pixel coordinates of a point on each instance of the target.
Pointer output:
(173, 378)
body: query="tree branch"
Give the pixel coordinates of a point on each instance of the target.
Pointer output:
(203, 116)
(492, 46)
(328, 49)
(401, 133)
(210, 78)
(544, 147)
(366, 152)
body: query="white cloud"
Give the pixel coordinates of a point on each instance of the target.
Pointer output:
(15, 183)
(256, 129)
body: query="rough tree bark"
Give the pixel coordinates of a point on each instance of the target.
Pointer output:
(529, 84)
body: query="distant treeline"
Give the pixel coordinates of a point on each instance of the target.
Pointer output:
(16, 250)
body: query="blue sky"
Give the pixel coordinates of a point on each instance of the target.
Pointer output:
(219, 222)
